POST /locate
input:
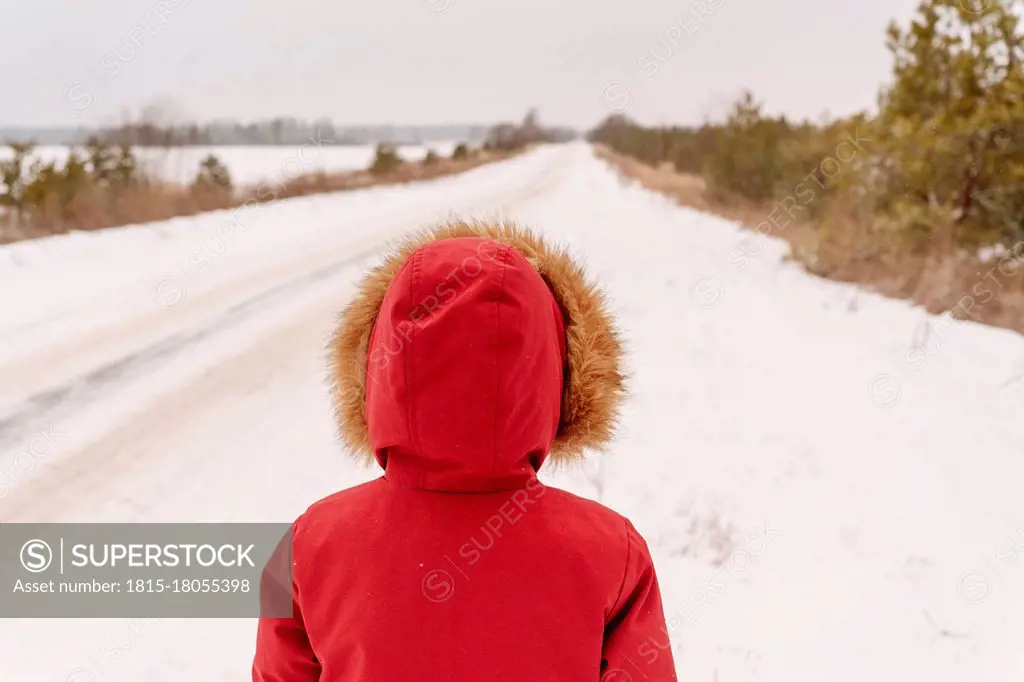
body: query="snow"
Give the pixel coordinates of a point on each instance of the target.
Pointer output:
(251, 165)
(820, 503)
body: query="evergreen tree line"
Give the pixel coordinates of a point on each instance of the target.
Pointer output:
(938, 169)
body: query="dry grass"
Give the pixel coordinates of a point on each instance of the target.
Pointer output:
(690, 190)
(145, 202)
(93, 209)
(319, 183)
(958, 283)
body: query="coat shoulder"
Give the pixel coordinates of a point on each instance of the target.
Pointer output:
(324, 514)
(591, 520)
(603, 543)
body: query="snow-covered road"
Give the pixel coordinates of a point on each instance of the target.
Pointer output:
(819, 507)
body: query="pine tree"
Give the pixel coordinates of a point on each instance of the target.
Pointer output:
(952, 124)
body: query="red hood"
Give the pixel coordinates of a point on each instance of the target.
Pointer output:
(471, 352)
(464, 369)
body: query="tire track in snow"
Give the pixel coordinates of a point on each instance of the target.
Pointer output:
(52, 403)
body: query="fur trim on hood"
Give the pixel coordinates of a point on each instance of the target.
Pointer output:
(593, 385)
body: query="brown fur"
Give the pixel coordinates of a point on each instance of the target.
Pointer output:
(593, 387)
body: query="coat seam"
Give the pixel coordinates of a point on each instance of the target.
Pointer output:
(497, 336)
(464, 493)
(410, 370)
(297, 604)
(625, 572)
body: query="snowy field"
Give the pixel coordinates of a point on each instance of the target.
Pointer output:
(819, 506)
(251, 165)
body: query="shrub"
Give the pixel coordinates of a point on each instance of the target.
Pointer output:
(13, 178)
(125, 171)
(213, 174)
(53, 188)
(431, 158)
(461, 151)
(952, 125)
(385, 160)
(104, 160)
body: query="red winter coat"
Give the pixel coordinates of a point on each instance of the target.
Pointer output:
(466, 358)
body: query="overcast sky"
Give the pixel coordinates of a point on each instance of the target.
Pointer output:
(438, 61)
